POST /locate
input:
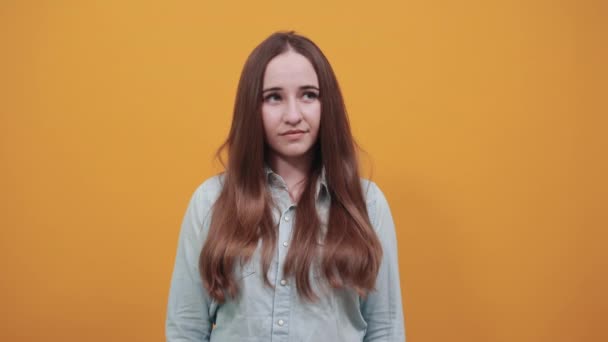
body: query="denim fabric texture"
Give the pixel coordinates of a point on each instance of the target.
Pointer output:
(263, 314)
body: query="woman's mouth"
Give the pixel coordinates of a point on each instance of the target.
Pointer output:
(294, 134)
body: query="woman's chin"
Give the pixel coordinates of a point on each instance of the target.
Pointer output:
(294, 153)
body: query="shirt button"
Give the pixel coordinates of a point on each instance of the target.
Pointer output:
(285, 244)
(283, 282)
(281, 322)
(286, 218)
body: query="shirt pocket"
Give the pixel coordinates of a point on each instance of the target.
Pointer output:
(245, 270)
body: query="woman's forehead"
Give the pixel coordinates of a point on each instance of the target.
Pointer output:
(290, 68)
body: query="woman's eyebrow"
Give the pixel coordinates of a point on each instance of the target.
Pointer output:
(272, 89)
(309, 87)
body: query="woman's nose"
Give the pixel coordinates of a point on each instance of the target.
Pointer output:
(293, 114)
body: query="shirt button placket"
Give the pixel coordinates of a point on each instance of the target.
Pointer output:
(282, 293)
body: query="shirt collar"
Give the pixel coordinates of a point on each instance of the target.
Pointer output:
(321, 185)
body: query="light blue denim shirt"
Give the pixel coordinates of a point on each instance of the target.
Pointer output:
(262, 314)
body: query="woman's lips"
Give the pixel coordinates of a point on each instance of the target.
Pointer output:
(294, 135)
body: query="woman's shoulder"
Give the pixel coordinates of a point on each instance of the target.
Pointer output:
(374, 199)
(207, 192)
(371, 190)
(211, 186)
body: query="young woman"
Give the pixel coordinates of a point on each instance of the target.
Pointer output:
(288, 244)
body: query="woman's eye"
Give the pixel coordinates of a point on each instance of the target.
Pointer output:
(310, 95)
(272, 98)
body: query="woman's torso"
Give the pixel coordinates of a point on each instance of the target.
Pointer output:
(261, 313)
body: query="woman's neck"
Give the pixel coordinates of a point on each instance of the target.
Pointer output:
(294, 172)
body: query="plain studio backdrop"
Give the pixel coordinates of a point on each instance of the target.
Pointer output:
(484, 123)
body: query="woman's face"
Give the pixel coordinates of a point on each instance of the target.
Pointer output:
(291, 109)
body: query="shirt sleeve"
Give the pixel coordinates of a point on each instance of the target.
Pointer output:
(188, 311)
(382, 308)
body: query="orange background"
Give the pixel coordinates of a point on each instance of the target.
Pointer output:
(484, 121)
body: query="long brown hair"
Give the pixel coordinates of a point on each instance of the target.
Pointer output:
(350, 252)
